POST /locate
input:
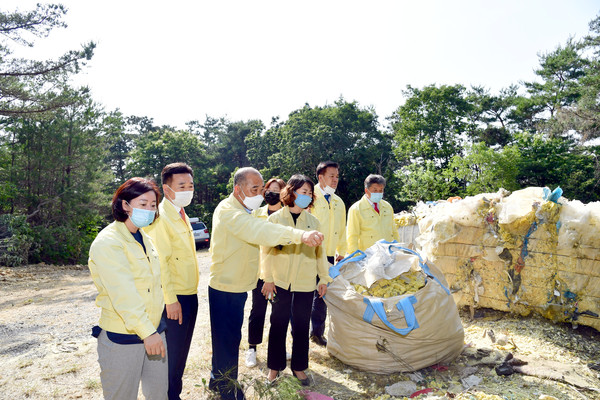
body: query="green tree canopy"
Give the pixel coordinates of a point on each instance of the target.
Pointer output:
(31, 86)
(559, 161)
(585, 116)
(431, 124)
(343, 132)
(490, 113)
(485, 170)
(560, 71)
(55, 174)
(156, 149)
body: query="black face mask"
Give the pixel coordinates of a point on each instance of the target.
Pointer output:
(272, 198)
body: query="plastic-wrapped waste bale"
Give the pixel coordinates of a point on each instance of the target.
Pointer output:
(575, 219)
(591, 236)
(518, 208)
(530, 251)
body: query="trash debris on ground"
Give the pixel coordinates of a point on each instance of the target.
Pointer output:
(420, 392)
(401, 389)
(471, 381)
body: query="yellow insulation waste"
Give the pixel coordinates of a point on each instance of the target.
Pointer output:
(405, 219)
(409, 282)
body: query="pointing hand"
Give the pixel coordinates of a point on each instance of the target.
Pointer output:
(312, 238)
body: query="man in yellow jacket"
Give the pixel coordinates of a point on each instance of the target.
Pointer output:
(371, 218)
(174, 238)
(234, 251)
(330, 210)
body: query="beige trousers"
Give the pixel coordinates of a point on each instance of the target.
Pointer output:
(123, 366)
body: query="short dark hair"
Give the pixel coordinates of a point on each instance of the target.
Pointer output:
(323, 165)
(175, 168)
(128, 191)
(373, 178)
(294, 183)
(280, 182)
(241, 174)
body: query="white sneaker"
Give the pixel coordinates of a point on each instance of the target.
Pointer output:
(288, 356)
(251, 358)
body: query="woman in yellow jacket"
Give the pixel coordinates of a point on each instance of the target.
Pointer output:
(290, 274)
(256, 320)
(125, 268)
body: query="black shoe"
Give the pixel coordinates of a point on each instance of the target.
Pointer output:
(304, 382)
(319, 339)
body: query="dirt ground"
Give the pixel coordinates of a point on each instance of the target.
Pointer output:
(47, 351)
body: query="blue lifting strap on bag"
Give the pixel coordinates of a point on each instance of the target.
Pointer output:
(405, 306)
(334, 270)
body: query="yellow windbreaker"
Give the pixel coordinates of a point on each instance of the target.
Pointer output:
(295, 266)
(174, 240)
(365, 226)
(128, 281)
(262, 212)
(332, 217)
(234, 247)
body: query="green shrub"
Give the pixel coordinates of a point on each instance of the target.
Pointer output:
(16, 240)
(67, 244)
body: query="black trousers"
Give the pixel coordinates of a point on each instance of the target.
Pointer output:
(296, 305)
(179, 339)
(319, 310)
(256, 321)
(226, 318)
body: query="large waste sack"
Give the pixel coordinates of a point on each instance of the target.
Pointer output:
(391, 334)
(530, 251)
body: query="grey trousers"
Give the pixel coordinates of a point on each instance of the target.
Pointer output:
(123, 366)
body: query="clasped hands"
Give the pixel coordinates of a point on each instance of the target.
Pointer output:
(270, 291)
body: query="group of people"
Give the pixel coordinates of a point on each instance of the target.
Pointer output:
(145, 268)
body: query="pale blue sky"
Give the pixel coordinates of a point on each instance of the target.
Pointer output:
(181, 60)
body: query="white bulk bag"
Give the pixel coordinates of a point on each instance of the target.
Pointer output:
(395, 334)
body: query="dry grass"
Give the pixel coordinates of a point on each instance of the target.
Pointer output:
(47, 352)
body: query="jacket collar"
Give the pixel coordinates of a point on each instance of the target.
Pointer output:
(169, 209)
(174, 206)
(124, 231)
(366, 203)
(288, 214)
(319, 191)
(236, 203)
(319, 194)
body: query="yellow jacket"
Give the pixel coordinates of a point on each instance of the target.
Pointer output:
(365, 226)
(261, 212)
(128, 281)
(234, 247)
(332, 217)
(296, 265)
(174, 240)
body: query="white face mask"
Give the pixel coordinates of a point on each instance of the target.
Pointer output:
(253, 202)
(182, 199)
(329, 190)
